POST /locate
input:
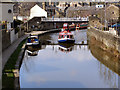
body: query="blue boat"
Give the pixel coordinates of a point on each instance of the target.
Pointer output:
(32, 40)
(66, 37)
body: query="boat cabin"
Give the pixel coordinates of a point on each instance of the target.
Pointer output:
(32, 39)
(66, 34)
(65, 26)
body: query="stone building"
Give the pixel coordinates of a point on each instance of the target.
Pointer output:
(111, 14)
(79, 11)
(95, 22)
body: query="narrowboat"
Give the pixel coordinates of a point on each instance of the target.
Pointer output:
(66, 37)
(83, 25)
(72, 26)
(33, 40)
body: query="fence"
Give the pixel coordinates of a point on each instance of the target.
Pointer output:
(65, 19)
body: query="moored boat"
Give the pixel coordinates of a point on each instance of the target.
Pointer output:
(66, 37)
(33, 40)
(83, 25)
(65, 26)
(72, 26)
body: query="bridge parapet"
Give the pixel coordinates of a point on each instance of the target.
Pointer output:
(65, 19)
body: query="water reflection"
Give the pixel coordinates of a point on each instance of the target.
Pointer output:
(107, 62)
(108, 59)
(108, 76)
(66, 47)
(68, 66)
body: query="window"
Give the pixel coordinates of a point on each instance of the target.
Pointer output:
(60, 36)
(9, 11)
(112, 12)
(71, 36)
(67, 36)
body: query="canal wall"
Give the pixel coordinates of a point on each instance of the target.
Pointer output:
(108, 42)
(8, 37)
(108, 59)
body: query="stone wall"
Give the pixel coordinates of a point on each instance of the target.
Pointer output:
(108, 59)
(111, 43)
(9, 37)
(21, 33)
(13, 36)
(5, 39)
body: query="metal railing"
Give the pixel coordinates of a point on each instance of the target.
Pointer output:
(65, 19)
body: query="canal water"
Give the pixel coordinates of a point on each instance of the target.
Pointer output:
(54, 65)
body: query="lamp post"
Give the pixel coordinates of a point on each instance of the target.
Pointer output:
(27, 26)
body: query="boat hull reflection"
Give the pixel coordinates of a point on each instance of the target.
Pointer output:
(33, 50)
(64, 47)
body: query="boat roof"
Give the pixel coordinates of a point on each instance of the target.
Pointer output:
(33, 37)
(65, 33)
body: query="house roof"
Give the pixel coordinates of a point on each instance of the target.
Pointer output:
(37, 11)
(81, 8)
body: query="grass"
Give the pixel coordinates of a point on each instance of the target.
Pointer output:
(7, 73)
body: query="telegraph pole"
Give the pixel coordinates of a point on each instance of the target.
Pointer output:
(105, 15)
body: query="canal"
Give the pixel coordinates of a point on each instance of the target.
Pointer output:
(54, 65)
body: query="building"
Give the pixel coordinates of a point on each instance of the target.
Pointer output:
(8, 31)
(22, 10)
(7, 14)
(37, 11)
(112, 14)
(79, 11)
(75, 4)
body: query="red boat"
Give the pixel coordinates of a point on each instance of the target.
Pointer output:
(66, 37)
(72, 26)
